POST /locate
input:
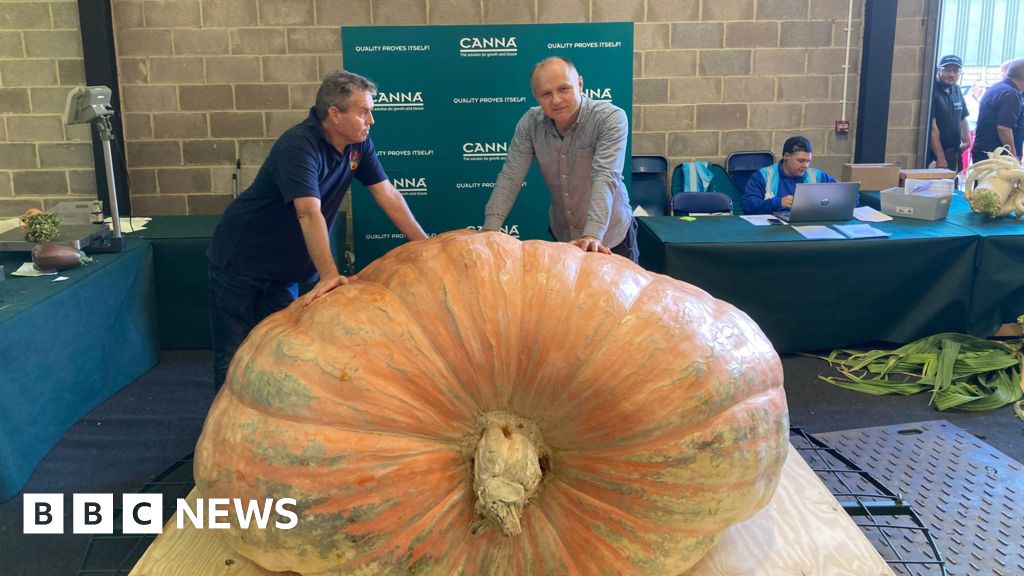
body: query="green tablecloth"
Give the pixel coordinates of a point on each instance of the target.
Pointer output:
(182, 285)
(67, 346)
(998, 293)
(998, 289)
(812, 295)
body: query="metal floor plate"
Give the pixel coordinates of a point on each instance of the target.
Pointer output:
(969, 494)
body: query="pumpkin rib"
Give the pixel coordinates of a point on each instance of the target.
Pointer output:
(445, 510)
(248, 403)
(447, 291)
(341, 394)
(611, 560)
(559, 543)
(430, 342)
(659, 440)
(423, 337)
(595, 353)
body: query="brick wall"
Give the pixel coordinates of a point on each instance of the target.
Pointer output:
(41, 161)
(207, 81)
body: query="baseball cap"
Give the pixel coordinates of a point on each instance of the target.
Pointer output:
(951, 60)
(796, 144)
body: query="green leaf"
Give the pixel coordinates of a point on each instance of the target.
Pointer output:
(961, 371)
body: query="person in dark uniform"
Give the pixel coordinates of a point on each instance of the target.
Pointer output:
(949, 135)
(999, 113)
(1018, 129)
(276, 234)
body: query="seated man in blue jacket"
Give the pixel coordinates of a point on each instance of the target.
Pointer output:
(770, 189)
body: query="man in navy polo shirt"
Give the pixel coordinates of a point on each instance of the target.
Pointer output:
(771, 188)
(949, 135)
(1018, 129)
(276, 234)
(998, 114)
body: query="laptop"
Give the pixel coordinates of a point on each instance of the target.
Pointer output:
(822, 202)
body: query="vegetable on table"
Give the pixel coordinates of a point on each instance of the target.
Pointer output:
(473, 404)
(40, 226)
(993, 187)
(52, 257)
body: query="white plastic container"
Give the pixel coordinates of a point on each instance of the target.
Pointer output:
(921, 206)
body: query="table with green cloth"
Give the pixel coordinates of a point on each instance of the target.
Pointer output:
(998, 289)
(821, 294)
(182, 284)
(66, 346)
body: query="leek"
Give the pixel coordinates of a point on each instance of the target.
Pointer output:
(960, 371)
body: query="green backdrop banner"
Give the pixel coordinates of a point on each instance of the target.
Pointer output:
(448, 101)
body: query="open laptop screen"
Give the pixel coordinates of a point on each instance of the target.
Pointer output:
(822, 202)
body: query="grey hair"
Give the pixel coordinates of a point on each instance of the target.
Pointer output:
(549, 60)
(337, 88)
(1015, 69)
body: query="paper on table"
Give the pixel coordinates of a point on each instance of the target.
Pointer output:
(860, 231)
(869, 214)
(761, 219)
(9, 224)
(639, 211)
(818, 233)
(27, 269)
(129, 225)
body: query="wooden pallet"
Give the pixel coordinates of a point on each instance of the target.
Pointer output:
(803, 530)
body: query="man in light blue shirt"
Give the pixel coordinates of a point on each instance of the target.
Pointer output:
(771, 188)
(580, 147)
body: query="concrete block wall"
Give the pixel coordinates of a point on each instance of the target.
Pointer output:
(42, 161)
(206, 82)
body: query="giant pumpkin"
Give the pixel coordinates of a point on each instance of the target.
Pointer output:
(472, 404)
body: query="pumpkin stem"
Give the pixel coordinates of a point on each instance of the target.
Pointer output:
(506, 470)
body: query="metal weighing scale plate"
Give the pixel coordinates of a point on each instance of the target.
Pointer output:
(969, 494)
(76, 236)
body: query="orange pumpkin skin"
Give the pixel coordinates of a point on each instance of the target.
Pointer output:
(662, 413)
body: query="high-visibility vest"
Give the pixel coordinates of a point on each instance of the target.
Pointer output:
(771, 179)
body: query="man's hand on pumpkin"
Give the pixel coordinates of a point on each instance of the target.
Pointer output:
(591, 244)
(324, 286)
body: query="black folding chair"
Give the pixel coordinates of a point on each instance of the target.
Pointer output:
(686, 203)
(649, 188)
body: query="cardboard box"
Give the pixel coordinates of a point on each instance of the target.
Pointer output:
(925, 174)
(926, 206)
(872, 176)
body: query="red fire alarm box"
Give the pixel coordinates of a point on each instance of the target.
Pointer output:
(842, 126)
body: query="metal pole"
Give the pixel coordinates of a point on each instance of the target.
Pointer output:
(106, 135)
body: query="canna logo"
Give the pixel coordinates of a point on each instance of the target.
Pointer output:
(510, 229)
(410, 186)
(484, 150)
(488, 46)
(598, 94)
(391, 101)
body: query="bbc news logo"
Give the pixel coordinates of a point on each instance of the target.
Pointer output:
(477, 151)
(143, 513)
(476, 47)
(392, 101)
(410, 186)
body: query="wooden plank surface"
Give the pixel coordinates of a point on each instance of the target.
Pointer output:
(803, 530)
